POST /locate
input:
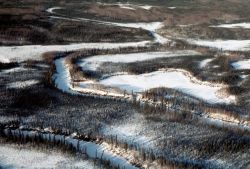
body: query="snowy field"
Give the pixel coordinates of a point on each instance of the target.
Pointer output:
(12, 156)
(244, 64)
(34, 52)
(228, 45)
(234, 25)
(92, 63)
(174, 79)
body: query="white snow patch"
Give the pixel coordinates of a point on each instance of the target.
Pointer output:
(128, 5)
(51, 10)
(22, 84)
(12, 156)
(34, 52)
(147, 7)
(205, 62)
(171, 79)
(3, 59)
(62, 77)
(244, 64)
(234, 25)
(172, 7)
(230, 45)
(92, 63)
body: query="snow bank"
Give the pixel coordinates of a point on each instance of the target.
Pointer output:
(234, 25)
(92, 63)
(171, 79)
(244, 64)
(230, 45)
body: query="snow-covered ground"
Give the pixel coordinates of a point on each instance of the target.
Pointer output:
(244, 25)
(229, 45)
(133, 131)
(179, 80)
(22, 84)
(93, 150)
(62, 77)
(205, 62)
(12, 156)
(3, 59)
(243, 64)
(34, 52)
(92, 63)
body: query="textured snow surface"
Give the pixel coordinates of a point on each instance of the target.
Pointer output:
(171, 79)
(230, 45)
(22, 84)
(12, 156)
(244, 64)
(92, 63)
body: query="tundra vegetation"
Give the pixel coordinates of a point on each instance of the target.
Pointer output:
(125, 84)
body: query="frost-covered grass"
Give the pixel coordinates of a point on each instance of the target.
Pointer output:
(92, 63)
(243, 64)
(229, 45)
(244, 25)
(13, 156)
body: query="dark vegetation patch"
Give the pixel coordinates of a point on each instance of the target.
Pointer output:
(8, 65)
